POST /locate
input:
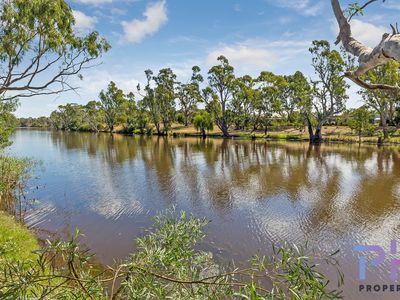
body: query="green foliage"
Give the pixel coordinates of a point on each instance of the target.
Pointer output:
(159, 101)
(245, 97)
(218, 95)
(203, 121)
(15, 174)
(360, 121)
(112, 102)
(384, 103)
(92, 116)
(295, 97)
(38, 36)
(189, 95)
(40, 122)
(270, 86)
(8, 122)
(167, 265)
(60, 270)
(329, 90)
(165, 96)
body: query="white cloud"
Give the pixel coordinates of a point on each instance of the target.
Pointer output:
(366, 33)
(305, 7)
(93, 83)
(392, 5)
(155, 16)
(83, 21)
(254, 55)
(94, 2)
(243, 56)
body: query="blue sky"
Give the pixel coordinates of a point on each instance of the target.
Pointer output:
(255, 35)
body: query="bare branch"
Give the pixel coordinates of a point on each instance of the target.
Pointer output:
(387, 50)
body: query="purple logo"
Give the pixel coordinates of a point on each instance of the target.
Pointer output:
(377, 260)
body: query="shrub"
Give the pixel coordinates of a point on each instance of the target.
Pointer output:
(167, 266)
(15, 174)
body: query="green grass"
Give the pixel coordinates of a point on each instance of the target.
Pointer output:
(16, 242)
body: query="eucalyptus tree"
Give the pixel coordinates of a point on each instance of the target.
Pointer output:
(56, 120)
(71, 115)
(294, 93)
(360, 121)
(112, 103)
(8, 122)
(329, 89)
(39, 50)
(189, 95)
(149, 102)
(269, 86)
(388, 49)
(131, 111)
(383, 102)
(92, 115)
(218, 94)
(242, 101)
(165, 95)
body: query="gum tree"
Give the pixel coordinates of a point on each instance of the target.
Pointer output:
(149, 102)
(39, 50)
(112, 102)
(189, 95)
(296, 90)
(92, 115)
(360, 121)
(368, 58)
(269, 86)
(383, 102)
(218, 95)
(165, 96)
(8, 122)
(329, 89)
(243, 100)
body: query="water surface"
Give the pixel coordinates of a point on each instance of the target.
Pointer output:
(254, 193)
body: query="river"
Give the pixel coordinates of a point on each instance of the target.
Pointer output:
(255, 193)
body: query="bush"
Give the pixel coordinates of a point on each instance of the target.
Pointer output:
(166, 266)
(14, 176)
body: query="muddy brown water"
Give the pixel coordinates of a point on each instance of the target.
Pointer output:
(254, 193)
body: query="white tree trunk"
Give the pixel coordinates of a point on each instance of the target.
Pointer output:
(388, 49)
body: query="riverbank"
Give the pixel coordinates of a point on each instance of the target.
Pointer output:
(17, 243)
(335, 134)
(330, 134)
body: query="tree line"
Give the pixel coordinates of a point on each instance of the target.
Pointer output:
(241, 103)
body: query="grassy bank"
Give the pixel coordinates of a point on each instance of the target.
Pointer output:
(342, 134)
(16, 242)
